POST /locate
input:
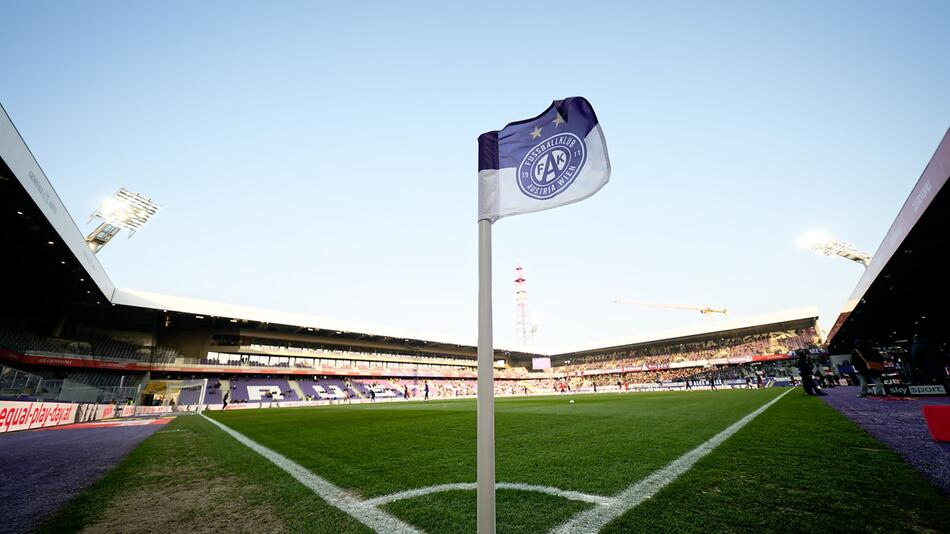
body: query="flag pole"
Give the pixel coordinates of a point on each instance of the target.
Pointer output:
(486, 387)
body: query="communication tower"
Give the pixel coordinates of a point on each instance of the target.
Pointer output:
(524, 329)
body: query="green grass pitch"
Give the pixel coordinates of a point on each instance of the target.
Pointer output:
(798, 466)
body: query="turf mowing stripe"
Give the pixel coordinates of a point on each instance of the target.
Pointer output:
(590, 521)
(418, 492)
(364, 512)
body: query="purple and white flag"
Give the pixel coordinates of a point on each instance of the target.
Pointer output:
(556, 158)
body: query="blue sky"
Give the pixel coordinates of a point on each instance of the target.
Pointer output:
(321, 159)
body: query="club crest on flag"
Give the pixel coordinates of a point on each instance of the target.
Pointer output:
(553, 159)
(551, 166)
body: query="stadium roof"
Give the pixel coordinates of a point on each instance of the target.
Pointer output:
(906, 285)
(145, 299)
(49, 220)
(21, 163)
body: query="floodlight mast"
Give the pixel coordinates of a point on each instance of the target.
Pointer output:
(829, 246)
(124, 210)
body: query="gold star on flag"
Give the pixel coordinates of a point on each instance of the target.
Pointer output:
(558, 120)
(536, 133)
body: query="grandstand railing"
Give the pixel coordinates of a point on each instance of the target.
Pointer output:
(21, 385)
(15, 383)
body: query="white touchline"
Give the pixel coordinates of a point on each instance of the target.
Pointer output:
(364, 512)
(592, 520)
(418, 492)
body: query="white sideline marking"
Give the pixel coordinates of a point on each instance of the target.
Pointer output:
(418, 492)
(590, 521)
(364, 512)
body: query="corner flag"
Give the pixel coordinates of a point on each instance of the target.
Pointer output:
(556, 158)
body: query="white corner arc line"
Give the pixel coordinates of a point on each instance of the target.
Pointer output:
(419, 492)
(428, 490)
(365, 513)
(567, 494)
(592, 520)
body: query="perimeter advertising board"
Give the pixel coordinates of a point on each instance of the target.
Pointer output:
(26, 415)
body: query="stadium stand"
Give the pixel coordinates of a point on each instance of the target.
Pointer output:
(771, 343)
(20, 340)
(719, 356)
(262, 390)
(102, 380)
(349, 362)
(383, 388)
(95, 348)
(732, 356)
(327, 389)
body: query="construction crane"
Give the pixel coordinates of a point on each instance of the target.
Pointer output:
(705, 310)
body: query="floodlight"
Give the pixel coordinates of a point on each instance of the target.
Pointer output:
(825, 244)
(124, 210)
(814, 238)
